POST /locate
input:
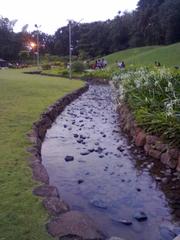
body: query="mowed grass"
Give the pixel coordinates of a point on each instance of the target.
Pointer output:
(167, 55)
(22, 98)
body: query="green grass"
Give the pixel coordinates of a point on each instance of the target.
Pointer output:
(166, 55)
(22, 98)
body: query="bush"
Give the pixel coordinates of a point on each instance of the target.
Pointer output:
(64, 72)
(78, 67)
(46, 66)
(59, 64)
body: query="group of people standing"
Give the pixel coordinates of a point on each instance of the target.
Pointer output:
(100, 64)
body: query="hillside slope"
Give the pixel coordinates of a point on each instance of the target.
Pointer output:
(166, 55)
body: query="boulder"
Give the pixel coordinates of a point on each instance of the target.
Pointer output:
(178, 164)
(155, 153)
(177, 238)
(161, 147)
(152, 140)
(46, 191)
(168, 160)
(140, 139)
(40, 173)
(166, 233)
(147, 148)
(174, 153)
(74, 223)
(55, 205)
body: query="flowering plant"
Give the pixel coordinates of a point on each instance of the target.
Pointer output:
(154, 96)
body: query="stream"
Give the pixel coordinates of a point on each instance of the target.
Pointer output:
(99, 171)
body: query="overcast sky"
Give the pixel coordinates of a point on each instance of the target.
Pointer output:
(54, 14)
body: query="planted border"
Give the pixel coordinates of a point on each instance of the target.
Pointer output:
(153, 145)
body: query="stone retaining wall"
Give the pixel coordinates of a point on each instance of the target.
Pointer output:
(153, 145)
(63, 221)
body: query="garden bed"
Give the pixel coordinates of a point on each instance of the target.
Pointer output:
(153, 114)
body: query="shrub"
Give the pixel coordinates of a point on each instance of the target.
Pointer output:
(64, 72)
(59, 64)
(46, 66)
(78, 67)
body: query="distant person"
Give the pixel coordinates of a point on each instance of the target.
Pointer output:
(157, 64)
(122, 65)
(104, 63)
(68, 66)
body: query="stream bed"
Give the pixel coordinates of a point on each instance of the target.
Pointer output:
(99, 171)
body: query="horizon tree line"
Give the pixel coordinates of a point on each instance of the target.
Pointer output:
(153, 22)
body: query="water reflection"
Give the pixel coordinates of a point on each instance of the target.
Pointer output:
(109, 179)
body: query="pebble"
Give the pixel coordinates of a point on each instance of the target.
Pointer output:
(91, 150)
(121, 220)
(158, 179)
(138, 189)
(84, 153)
(99, 203)
(80, 181)
(140, 216)
(69, 158)
(120, 149)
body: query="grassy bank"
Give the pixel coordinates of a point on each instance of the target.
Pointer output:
(166, 55)
(22, 98)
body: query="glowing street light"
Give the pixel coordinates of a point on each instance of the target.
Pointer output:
(32, 45)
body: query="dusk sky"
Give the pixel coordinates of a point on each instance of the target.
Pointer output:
(54, 14)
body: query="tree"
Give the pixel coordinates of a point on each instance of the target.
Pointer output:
(24, 56)
(10, 43)
(170, 20)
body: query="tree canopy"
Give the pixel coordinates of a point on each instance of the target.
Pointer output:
(153, 22)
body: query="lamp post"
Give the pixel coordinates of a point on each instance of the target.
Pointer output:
(32, 46)
(70, 52)
(70, 47)
(37, 43)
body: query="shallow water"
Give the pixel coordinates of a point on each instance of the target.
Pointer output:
(109, 178)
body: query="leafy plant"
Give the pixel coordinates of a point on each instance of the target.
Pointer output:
(46, 66)
(78, 66)
(154, 96)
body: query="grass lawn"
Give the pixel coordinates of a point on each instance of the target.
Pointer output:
(22, 98)
(143, 56)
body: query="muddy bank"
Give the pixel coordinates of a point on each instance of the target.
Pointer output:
(99, 172)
